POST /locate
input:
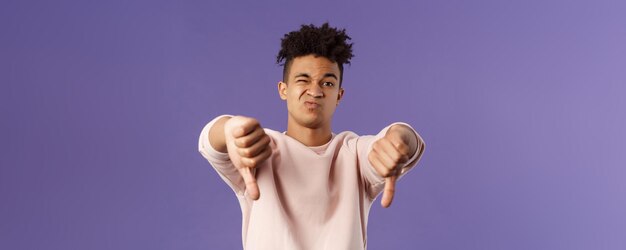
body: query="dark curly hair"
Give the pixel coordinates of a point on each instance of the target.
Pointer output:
(325, 41)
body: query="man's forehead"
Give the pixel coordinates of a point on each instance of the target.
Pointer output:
(313, 66)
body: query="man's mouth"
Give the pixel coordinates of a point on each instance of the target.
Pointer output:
(311, 105)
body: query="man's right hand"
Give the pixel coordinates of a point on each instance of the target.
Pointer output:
(247, 146)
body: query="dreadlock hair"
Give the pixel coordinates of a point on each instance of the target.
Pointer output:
(325, 41)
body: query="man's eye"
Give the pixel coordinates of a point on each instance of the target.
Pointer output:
(329, 84)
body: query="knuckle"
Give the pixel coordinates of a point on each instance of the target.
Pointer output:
(252, 126)
(370, 157)
(376, 146)
(397, 159)
(249, 163)
(253, 163)
(385, 172)
(245, 142)
(241, 152)
(401, 158)
(246, 152)
(264, 157)
(403, 148)
(266, 139)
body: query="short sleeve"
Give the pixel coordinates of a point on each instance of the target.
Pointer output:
(374, 183)
(220, 161)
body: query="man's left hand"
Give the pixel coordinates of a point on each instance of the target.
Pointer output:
(389, 154)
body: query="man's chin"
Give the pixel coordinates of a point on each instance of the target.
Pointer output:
(311, 122)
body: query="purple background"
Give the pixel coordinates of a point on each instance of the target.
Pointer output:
(521, 104)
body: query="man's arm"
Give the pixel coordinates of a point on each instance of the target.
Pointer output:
(216, 135)
(246, 144)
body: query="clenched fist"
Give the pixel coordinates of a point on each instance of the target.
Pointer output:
(247, 146)
(389, 154)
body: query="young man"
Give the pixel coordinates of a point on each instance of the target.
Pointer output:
(308, 188)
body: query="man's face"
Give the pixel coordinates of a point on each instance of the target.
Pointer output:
(311, 90)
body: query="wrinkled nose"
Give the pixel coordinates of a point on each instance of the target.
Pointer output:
(315, 91)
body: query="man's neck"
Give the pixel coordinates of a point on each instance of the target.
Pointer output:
(310, 137)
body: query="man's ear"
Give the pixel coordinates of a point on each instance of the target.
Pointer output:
(339, 96)
(282, 90)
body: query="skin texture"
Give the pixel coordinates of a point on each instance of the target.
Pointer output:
(312, 93)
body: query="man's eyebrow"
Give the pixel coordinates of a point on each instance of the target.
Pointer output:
(325, 75)
(331, 75)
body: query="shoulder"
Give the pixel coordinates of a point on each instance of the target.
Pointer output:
(275, 136)
(347, 135)
(350, 140)
(272, 133)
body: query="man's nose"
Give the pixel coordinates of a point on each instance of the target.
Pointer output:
(315, 91)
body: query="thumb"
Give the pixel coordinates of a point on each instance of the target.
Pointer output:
(388, 192)
(251, 186)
